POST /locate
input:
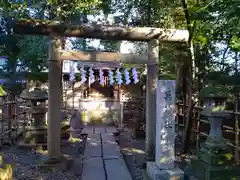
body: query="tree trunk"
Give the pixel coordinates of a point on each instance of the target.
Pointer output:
(191, 75)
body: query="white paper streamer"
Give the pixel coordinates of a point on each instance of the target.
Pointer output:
(119, 77)
(83, 75)
(101, 77)
(72, 72)
(127, 78)
(135, 76)
(91, 75)
(110, 77)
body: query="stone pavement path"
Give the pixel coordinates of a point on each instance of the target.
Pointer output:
(102, 157)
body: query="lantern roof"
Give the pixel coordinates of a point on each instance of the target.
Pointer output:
(36, 94)
(214, 92)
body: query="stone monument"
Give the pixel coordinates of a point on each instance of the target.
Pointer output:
(163, 168)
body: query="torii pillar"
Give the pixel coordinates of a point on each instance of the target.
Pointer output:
(54, 100)
(151, 87)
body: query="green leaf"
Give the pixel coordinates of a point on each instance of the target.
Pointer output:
(235, 44)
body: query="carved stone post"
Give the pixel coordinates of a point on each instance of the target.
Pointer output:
(164, 168)
(151, 86)
(54, 99)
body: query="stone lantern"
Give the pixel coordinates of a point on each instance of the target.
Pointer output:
(36, 134)
(215, 160)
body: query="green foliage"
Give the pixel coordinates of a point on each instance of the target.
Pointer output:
(35, 76)
(34, 52)
(68, 8)
(214, 22)
(235, 44)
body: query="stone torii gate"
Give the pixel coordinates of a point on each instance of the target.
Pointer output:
(56, 30)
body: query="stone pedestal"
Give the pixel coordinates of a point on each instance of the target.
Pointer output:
(163, 168)
(36, 133)
(155, 173)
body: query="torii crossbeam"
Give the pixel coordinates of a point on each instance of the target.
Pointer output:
(37, 27)
(94, 56)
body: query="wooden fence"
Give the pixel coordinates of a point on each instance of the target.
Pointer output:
(13, 120)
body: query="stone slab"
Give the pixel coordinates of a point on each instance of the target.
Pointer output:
(111, 151)
(111, 130)
(110, 147)
(163, 174)
(93, 146)
(116, 169)
(98, 130)
(108, 137)
(87, 130)
(93, 169)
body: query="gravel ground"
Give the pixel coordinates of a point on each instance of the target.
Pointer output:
(25, 163)
(133, 152)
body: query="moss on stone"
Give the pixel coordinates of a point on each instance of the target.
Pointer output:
(214, 92)
(2, 92)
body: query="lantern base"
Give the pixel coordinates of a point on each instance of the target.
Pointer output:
(35, 138)
(215, 151)
(63, 162)
(215, 161)
(37, 146)
(203, 171)
(36, 135)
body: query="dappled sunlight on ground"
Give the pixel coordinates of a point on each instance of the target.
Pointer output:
(111, 142)
(28, 164)
(43, 152)
(95, 144)
(132, 151)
